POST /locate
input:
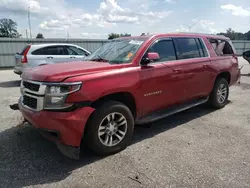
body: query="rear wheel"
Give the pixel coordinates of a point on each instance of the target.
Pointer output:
(219, 96)
(110, 129)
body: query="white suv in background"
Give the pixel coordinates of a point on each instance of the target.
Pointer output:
(40, 54)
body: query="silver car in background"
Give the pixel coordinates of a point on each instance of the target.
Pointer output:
(41, 54)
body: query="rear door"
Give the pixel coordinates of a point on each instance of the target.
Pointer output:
(194, 63)
(50, 54)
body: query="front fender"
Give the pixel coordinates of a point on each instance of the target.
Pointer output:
(101, 85)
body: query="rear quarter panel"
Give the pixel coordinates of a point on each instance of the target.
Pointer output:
(219, 64)
(36, 60)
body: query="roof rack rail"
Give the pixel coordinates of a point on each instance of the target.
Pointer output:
(197, 33)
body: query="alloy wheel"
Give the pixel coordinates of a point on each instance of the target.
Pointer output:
(222, 93)
(112, 129)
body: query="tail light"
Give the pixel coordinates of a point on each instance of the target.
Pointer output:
(24, 57)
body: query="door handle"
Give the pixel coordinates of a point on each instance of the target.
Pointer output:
(49, 57)
(177, 70)
(72, 57)
(205, 66)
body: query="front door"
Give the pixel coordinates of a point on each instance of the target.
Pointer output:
(74, 54)
(160, 85)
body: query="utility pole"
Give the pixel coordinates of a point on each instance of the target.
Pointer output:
(26, 34)
(191, 26)
(29, 21)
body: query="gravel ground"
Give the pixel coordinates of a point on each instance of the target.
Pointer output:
(196, 148)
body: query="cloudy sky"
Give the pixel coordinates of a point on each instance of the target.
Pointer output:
(97, 18)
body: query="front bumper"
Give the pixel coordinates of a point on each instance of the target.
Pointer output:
(64, 128)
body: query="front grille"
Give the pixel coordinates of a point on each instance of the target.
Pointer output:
(31, 86)
(30, 102)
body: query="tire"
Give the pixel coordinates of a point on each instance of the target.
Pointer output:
(113, 111)
(214, 99)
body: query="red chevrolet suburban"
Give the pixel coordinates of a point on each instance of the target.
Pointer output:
(127, 81)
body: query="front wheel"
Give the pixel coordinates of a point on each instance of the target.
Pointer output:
(110, 129)
(219, 96)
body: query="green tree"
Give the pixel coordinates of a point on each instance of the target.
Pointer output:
(113, 36)
(125, 35)
(230, 33)
(8, 28)
(39, 36)
(247, 35)
(116, 35)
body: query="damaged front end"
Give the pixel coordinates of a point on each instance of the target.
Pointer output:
(68, 151)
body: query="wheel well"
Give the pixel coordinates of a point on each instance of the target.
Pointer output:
(225, 75)
(124, 97)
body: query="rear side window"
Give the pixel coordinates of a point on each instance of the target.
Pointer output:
(51, 50)
(165, 49)
(221, 47)
(187, 48)
(38, 52)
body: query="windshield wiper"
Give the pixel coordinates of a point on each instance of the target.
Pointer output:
(116, 61)
(99, 59)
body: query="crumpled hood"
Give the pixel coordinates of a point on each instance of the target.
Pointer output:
(60, 71)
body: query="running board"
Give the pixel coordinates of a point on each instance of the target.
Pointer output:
(170, 111)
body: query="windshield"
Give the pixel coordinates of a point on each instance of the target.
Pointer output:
(117, 51)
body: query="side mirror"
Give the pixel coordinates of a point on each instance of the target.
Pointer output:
(150, 57)
(246, 56)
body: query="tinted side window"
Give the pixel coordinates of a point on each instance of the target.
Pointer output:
(54, 50)
(187, 48)
(51, 50)
(203, 48)
(165, 49)
(227, 49)
(38, 52)
(82, 52)
(221, 47)
(199, 47)
(72, 50)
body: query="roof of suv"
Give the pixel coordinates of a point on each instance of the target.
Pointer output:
(179, 34)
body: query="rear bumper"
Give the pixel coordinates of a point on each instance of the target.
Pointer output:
(19, 70)
(64, 128)
(235, 76)
(238, 76)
